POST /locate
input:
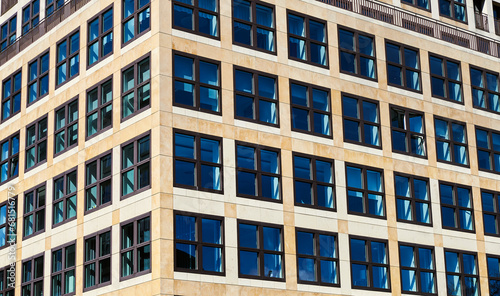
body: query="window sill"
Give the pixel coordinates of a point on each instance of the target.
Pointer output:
(363, 148)
(196, 114)
(195, 37)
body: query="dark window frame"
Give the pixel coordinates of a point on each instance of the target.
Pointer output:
(13, 93)
(98, 258)
(452, 16)
(9, 230)
(258, 171)
(32, 281)
(100, 106)
(357, 54)
(412, 198)
(317, 257)
(198, 162)
(67, 125)
(134, 141)
(402, 66)
(98, 182)
(365, 190)
(39, 76)
(417, 269)
(137, 86)
(196, 82)
(484, 89)
(101, 35)
(200, 244)
(408, 133)
(492, 279)
(33, 20)
(52, 6)
(491, 151)
(260, 250)
(314, 183)
(5, 273)
(456, 208)
(361, 121)
(11, 156)
(37, 143)
(255, 96)
(135, 16)
(462, 274)
(412, 3)
(36, 209)
(10, 33)
(64, 269)
(310, 109)
(370, 264)
(496, 205)
(196, 9)
(254, 26)
(68, 58)
(135, 246)
(452, 142)
(446, 80)
(66, 196)
(307, 39)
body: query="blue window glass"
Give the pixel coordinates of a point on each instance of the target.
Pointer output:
(313, 181)
(200, 91)
(256, 97)
(68, 58)
(453, 9)
(135, 19)
(369, 263)
(451, 141)
(365, 191)
(361, 121)
(418, 273)
(317, 258)
(255, 30)
(197, 161)
(30, 16)
(412, 199)
(488, 149)
(307, 39)
(11, 95)
(408, 134)
(200, 17)
(258, 172)
(446, 79)
(199, 243)
(485, 92)
(456, 207)
(135, 166)
(261, 251)
(357, 53)
(462, 277)
(402, 66)
(310, 109)
(491, 212)
(100, 37)
(493, 274)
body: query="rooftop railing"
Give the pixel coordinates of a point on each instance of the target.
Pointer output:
(45, 25)
(417, 23)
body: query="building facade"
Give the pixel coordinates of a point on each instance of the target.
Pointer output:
(249, 147)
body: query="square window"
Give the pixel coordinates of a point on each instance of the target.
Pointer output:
(451, 141)
(135, 247)
(403, 66)
(357, 53)
(454, 9)
(408, 131)
(462, 277)
(369, 264)
(197, 16)
(488, 149)
(456, 207)
(365, 191)
(412, 199)
(418, 272)
(136, 19)
(254, 25)
(485, 89)
(446, 79)
(361, 121)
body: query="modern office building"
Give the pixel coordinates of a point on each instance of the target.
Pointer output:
(249, 147)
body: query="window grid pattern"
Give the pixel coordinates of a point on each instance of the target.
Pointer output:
(31, 16)
(197, 16)
(199, 244)
(136, 19)
(462, 277)
(455, 9)
(311, 111)
(100, 37)
(7, 284)
(412, 199)
(52, 5)
(254, 25)
(8, 32)
(36, 143)
(424, 4)
(98, 188)
(488, 150)
(457, 208)
(307, 39)
(135, 166)
(403, 66)
(491, 212)
(365, 191)
(369, 264)
(485, 89)
(38, 78)
(256, 96)
(34, 211)
(135, 247)
(9, 160)
(357, 53)
(446, 78)
(260, 251)
(258, 172)
(64, 201)
(68, 58)
(493, 274)
(136, 88)
(66, 127)
(8, 223)
(361, 121)
(63, 280)
(11, 95)
(198, 161)
(408, 131)
(197, 83)
(317, 258)
(97, 263)
(314, 180)
(451, 141)
(99, 108)
(418, 271)
(32, 276)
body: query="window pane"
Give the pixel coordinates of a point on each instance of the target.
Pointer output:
(185, 228)
(249, 263)
(247, 236)
(306, 269)
(305, 243)
(358, 250)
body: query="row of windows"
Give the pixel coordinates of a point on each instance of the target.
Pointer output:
(200, 247)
